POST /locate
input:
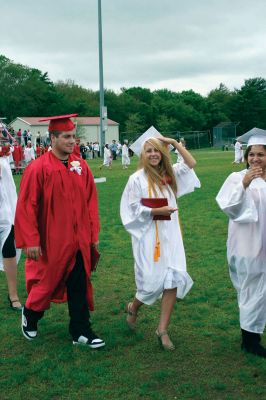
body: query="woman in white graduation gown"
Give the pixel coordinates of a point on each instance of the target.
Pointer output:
(125, 155)
(160, 263)
(238, 152)
(107, 157)
(8, 254)
(243, 198)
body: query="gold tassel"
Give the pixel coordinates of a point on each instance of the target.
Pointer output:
(157, 248)
(181, 230)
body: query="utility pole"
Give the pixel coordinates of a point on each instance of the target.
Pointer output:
(103, 111)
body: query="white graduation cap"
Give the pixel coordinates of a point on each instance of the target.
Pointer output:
(150, 133)
(254, 136)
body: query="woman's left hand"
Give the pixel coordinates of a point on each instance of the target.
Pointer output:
(188, 158)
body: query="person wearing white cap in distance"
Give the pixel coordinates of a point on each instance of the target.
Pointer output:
(160, 263)
(243, 198)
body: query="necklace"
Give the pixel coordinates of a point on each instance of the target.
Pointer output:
(64, 162)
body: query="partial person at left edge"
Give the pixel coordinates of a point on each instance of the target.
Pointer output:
(56, 224)
(8, 200)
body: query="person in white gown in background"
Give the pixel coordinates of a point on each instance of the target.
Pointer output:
(243, 198)
(125, 155)
(238, 152)
(160, 263)
(29, 154)
(107, 157)
(8, 200)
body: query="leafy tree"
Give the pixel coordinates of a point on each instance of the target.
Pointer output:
(167, 125)
(136, 100)
(250, 104)
(27, 91)
(220, 102)
(24, 91)
(134, 127)
(142, 95)
(75, 98)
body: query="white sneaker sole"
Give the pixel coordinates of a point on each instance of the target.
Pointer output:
(91, 346)
(24, 334)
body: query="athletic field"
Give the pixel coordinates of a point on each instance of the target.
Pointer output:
(207, 363)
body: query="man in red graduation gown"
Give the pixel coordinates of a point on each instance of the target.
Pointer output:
(17, 154)
(57, 223)
(76, 150)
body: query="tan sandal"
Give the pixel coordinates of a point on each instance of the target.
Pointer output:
(130, 313)
(169, 346)
(11, 304)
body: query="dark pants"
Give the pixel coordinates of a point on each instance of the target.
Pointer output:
(77, 302)
(9, 250)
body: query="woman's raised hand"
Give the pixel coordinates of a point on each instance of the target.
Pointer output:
(188, 158)
(251, 174)
(168, 141)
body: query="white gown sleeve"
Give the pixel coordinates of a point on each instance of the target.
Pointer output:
(186, 179)
(136, 218)
(235, 201)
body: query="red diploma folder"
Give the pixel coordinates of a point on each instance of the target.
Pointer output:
(95, 256)
(156, 203)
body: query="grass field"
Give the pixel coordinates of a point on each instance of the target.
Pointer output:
(207, 363)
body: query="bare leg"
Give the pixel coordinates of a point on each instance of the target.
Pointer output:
(133, 308)
(10, 266)
(167, 305)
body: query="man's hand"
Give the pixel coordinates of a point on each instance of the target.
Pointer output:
(33, 253)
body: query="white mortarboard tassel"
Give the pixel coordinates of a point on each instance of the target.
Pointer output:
(254, 136)
(150, 133)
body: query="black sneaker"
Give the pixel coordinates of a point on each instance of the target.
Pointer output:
(28, 327)
(90, 340)
(257, 350)
(251, 343)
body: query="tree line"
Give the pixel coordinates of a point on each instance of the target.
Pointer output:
(26, 91)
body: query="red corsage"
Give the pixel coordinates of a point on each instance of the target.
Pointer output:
(166, 180)
(4, 151)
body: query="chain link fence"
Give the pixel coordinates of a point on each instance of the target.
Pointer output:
(193, 139)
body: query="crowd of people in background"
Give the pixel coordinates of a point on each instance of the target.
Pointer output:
(25, 149)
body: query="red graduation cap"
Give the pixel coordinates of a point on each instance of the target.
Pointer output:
(61, 123)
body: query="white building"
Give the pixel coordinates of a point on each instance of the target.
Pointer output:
(88, 128)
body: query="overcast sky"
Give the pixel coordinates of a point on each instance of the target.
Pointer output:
(174, 44)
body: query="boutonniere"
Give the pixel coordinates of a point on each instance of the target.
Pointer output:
(4, 151)
(75, 167)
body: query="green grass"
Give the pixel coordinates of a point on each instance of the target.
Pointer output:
(207, 363)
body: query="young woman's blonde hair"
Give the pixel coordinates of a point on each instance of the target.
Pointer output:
(156, 176)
